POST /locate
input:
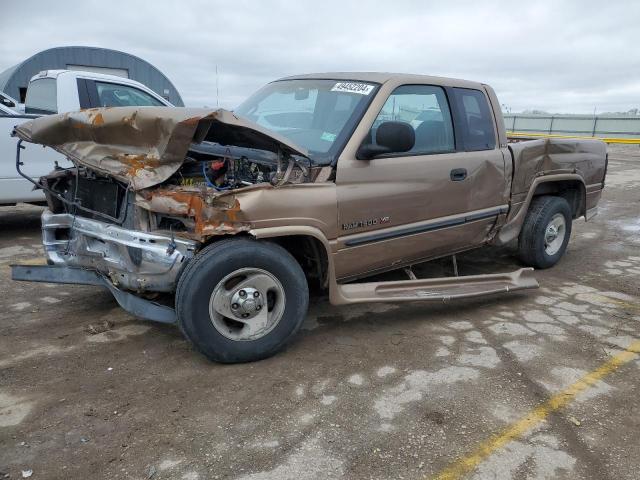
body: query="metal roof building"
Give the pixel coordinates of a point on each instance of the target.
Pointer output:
(14, 80)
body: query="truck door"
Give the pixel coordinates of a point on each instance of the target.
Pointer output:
(442, 196)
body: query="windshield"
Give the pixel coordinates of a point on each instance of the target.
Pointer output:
(316, 114)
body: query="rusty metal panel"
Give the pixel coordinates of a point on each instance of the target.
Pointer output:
(144, 146)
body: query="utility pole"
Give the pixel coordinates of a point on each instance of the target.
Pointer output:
(217, 89)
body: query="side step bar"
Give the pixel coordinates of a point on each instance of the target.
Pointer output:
(133, 304)
(430, 289)
(436, 289)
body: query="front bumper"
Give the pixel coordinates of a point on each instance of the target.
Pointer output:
(132, 260)
(131, 303)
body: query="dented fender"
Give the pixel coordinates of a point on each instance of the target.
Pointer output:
(211, 214)
(253, 207)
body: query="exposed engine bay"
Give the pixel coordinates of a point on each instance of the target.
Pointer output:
(185, 203)
(84, 192)
(150, 186)
(222, 168)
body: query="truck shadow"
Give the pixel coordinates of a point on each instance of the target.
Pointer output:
(485, 261)
(20, 219)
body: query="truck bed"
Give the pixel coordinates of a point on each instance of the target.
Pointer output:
(534, 158)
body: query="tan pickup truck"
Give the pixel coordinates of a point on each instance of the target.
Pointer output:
(225, 218)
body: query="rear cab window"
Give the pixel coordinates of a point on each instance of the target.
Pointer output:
(115, 95)
(426, 109)
(42, 97)
(475, 121)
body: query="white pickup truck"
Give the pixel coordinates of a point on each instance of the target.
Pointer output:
(58, 91)
(9, 104)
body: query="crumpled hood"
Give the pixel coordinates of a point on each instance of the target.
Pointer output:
(144, 146)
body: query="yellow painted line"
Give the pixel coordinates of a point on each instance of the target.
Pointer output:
(632, 141)
(538, 415)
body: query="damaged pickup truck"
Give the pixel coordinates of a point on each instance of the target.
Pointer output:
(220, 221)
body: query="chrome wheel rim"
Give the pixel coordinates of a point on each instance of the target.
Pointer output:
(554, 234)
(247, 304)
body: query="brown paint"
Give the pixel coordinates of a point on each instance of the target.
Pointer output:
(407, 191)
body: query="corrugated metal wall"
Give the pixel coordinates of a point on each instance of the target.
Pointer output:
(574, 125)
(60, 57)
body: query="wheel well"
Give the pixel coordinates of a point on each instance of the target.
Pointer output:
(308, 251)
(571, 190)
(310, 254)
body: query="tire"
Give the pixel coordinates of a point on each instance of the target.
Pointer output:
(210, 307)
(535, 245)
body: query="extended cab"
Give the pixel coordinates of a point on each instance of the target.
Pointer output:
(51, 92)
(318, 180)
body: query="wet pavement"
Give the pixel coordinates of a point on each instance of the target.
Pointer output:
(365, 392)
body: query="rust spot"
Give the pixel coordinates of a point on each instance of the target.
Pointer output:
(135, 163)
(98, 120)
(211, 216)
(232, 212)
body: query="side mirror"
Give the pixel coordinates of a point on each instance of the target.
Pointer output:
(391, 137)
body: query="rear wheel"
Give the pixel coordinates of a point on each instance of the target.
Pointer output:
(546, 231)
(241, 300)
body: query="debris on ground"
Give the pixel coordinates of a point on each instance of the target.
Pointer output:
(151, 471)
(94, 329)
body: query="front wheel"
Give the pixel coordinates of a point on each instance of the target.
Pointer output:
(241, 300)
(545, 233)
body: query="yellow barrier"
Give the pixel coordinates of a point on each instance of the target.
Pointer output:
(629, 141)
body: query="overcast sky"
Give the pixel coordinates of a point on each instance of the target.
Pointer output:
(549, 55)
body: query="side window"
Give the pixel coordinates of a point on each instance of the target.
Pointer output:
(426, 109)
(478, 130)
(42, 97)
(114, 95)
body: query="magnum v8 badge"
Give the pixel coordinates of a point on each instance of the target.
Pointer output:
(370, 222)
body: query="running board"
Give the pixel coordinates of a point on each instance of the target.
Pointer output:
(436, 289)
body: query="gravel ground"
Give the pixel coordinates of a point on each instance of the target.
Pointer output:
(371, 391)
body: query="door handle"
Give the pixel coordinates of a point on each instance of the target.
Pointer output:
(458, 174)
